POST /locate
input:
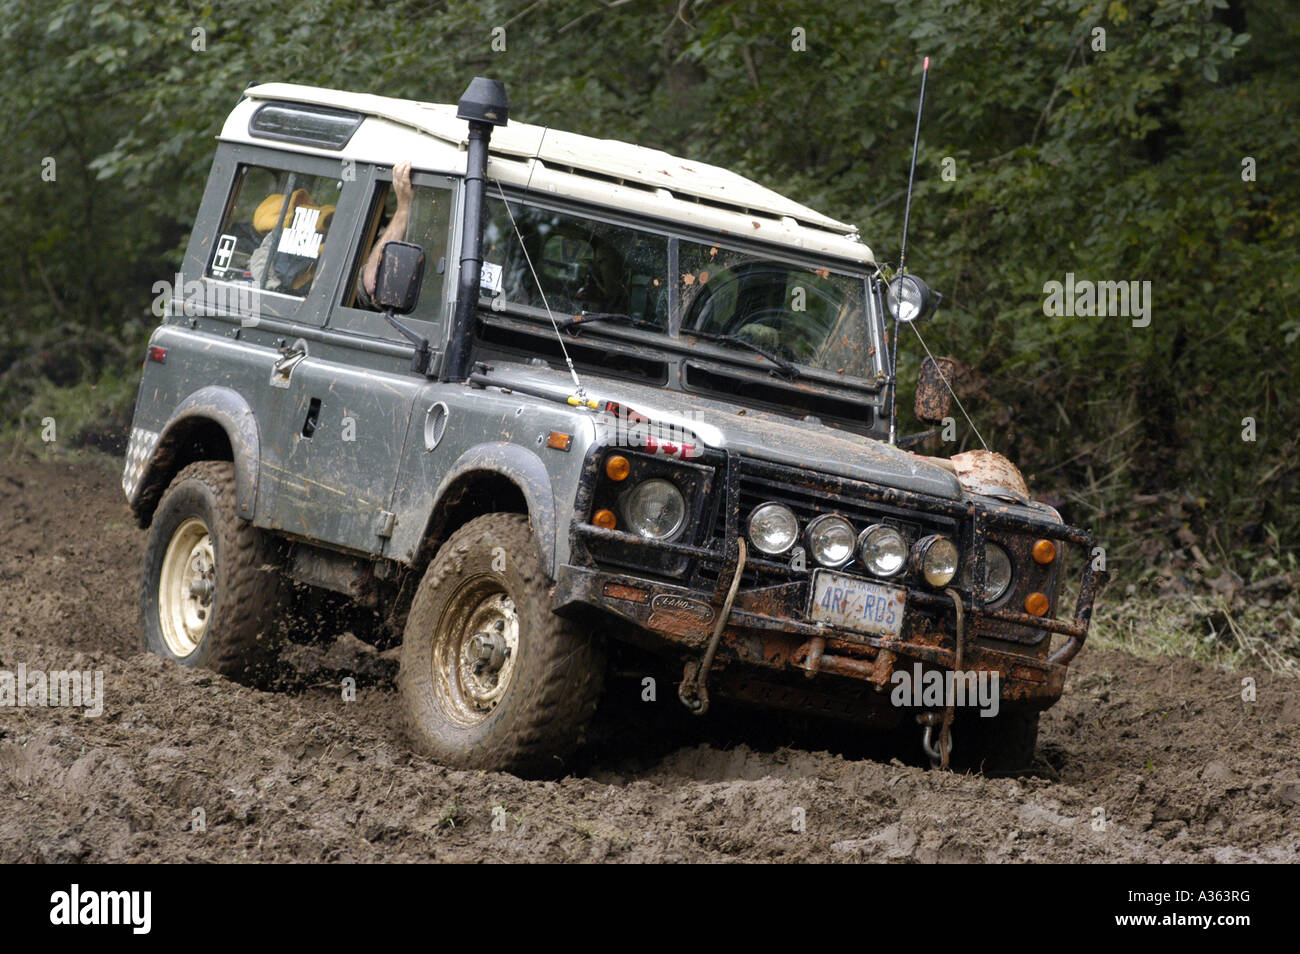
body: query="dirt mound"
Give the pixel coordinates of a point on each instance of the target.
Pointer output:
(1182, 768)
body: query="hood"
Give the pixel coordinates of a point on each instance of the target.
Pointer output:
(750, 433)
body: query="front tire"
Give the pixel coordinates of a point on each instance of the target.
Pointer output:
(210, 588)
(998, 746)
(491, 678)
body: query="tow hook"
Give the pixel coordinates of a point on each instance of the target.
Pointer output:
(694, 692)
(938, 756)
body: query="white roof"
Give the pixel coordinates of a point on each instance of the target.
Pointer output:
(601, 171)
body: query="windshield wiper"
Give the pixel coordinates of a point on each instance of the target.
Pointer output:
(572, 321)
(787, 369)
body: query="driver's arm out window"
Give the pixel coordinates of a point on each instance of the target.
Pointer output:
(428, 226)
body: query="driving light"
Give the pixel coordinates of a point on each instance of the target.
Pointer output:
(773, 528)
(882, 549)
(908, 298)
(831, 540)
(936, 557)
(655, 509)
(997, 571)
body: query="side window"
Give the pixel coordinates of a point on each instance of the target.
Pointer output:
(274, 229)
(428, 224)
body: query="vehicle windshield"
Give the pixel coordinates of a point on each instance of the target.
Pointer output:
(807, 315)
(804, 315)
(582, 264)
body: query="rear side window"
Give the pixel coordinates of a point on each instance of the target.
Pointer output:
(275, 229)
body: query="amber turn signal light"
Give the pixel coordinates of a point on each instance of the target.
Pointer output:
(1044, 551)
(1036, 604)
(617, 467)
(604, 519)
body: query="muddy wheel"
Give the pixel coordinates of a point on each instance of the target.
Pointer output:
(490, 677)
(1001, 745)
(210, 586)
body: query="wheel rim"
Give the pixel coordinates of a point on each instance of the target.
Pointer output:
(475, 649)
(187, 587)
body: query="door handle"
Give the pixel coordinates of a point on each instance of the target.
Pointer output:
(282, 370)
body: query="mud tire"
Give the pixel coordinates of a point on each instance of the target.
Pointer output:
(240, 639)
(998, 746)
(556, 670)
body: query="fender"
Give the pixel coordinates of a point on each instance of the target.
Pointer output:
(225, 407)
(526, 470)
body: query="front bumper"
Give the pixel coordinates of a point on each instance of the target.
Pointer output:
(767, 628)
(672, 592)
(761, 633)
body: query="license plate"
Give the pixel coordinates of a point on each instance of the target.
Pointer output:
(859, 605)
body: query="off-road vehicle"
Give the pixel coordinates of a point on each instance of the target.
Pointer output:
(591, 396)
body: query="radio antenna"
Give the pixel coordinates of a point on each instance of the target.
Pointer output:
(902, 260)
(911, 175)
(579, 397)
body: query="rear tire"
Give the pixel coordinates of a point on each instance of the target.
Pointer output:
(211, 583)
(490, 677)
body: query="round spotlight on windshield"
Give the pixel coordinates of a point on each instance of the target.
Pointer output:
(908, 298)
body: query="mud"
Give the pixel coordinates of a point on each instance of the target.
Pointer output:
(1182, 767)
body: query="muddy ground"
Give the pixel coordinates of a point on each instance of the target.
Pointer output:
(1182, 767)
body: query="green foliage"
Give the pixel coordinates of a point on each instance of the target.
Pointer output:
(1115, 164)
(93, 412)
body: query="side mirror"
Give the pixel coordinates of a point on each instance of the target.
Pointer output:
(397, 289)
(401, 272)
(933, 397)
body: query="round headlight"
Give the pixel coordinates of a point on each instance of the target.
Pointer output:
(882, 549)
(831, 540)
(997, 571)
(908, 298)
(655, 509)
(773, 528)
(937, 558)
